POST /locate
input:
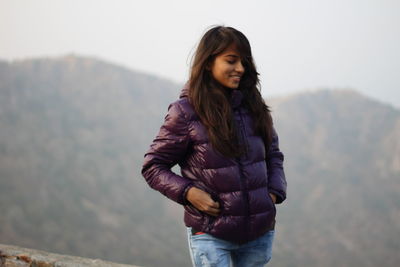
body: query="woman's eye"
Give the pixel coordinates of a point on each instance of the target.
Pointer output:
(230, 61)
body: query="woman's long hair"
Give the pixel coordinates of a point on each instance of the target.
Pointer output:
(211, 100)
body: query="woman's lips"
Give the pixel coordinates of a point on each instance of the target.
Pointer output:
(236, 78)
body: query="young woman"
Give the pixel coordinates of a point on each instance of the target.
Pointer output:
(220, 132)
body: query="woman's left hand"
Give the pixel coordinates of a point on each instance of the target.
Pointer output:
(273, 197)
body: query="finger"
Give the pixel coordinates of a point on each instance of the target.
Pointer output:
(207, 208)
(214, 204)
(212, 211)
(215, 214)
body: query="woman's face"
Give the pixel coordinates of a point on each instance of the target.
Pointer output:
(227, 68)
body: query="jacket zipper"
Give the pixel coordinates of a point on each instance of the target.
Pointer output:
(242, 176)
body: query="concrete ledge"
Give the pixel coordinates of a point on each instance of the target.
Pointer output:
(13, 256)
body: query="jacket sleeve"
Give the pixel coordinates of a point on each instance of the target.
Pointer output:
(168, 148)
(276, 175)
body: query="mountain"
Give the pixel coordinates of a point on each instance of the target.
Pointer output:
(73, 134)
(74, 131)
(343, 169)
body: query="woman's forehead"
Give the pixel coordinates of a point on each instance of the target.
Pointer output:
(231, 49)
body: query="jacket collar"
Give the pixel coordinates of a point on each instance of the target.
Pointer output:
(235, 98)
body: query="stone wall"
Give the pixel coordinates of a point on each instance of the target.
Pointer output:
(12, 256)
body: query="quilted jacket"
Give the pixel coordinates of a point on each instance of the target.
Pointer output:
(240, 185)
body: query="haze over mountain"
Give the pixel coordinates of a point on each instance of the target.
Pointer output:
(74, 131)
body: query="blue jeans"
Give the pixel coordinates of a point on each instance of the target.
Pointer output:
(209, 251)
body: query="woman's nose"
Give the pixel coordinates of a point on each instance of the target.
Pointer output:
(239, 67)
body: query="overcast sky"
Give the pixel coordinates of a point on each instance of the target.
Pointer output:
(297, 45)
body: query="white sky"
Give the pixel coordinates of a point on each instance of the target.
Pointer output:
(297, 44)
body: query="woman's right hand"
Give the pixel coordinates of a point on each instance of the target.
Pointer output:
(202, 201)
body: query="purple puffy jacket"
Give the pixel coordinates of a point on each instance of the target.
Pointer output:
(241, 185)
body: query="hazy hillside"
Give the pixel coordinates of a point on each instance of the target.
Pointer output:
(73, 134)
(343, 167)
(74, 131)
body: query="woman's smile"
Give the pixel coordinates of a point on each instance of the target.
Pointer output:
(227, 68)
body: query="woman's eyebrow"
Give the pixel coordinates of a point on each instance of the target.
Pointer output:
(232, 55)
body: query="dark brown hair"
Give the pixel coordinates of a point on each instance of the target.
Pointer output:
(211, 100)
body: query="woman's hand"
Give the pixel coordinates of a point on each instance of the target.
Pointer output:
(202, 201)
(273, 197)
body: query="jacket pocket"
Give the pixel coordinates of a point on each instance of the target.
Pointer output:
(209, 222)
(214, 195)
(192, 210)
(272, 202)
